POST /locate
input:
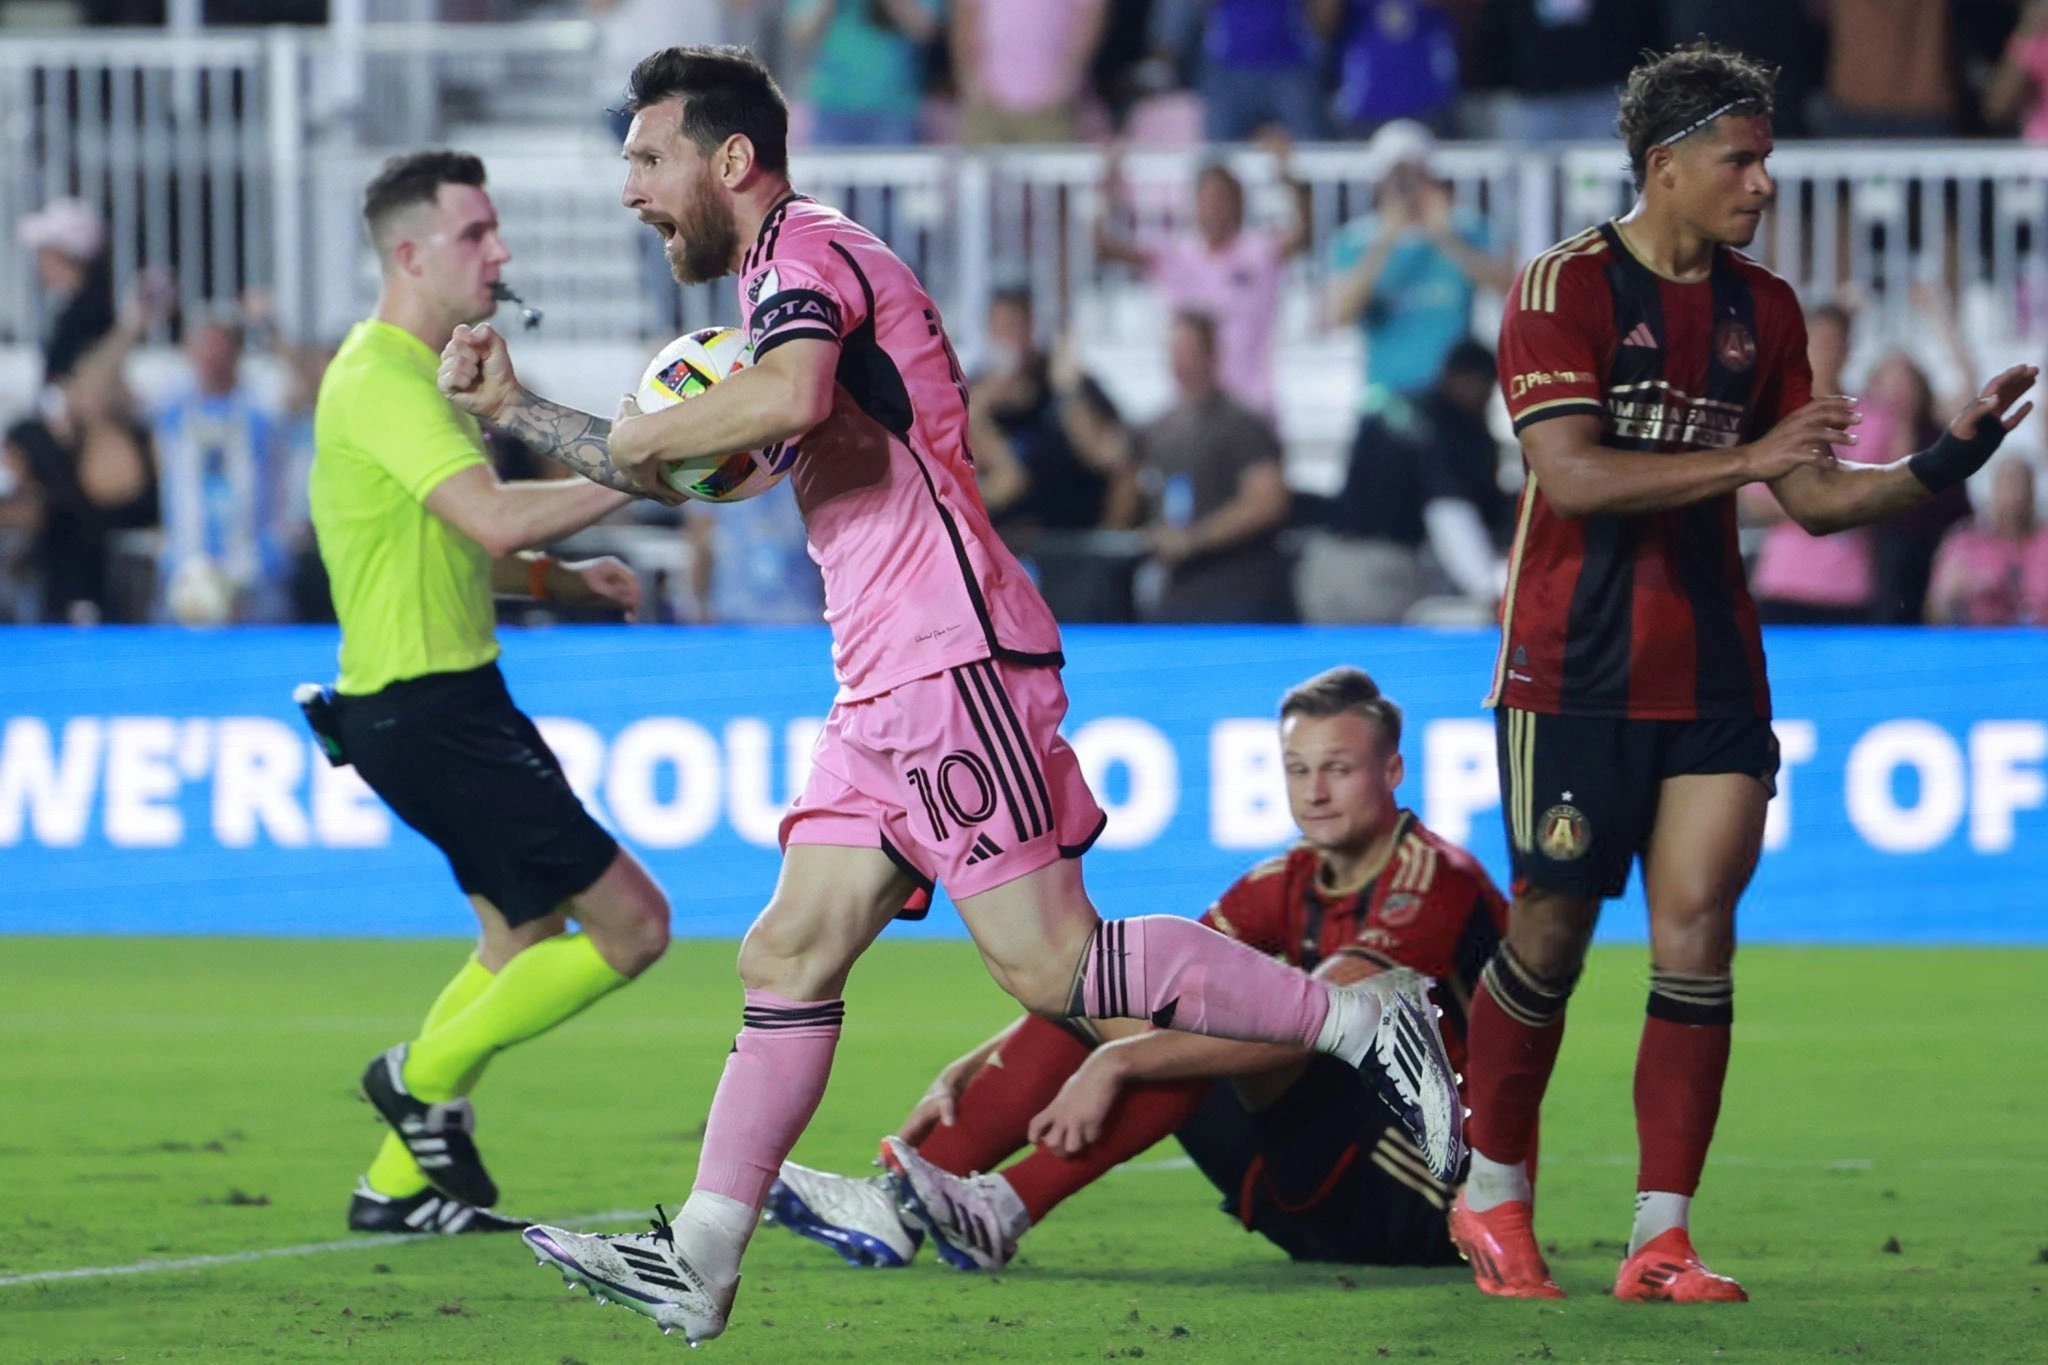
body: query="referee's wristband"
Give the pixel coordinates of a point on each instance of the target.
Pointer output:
(537, 570)
(1950, 460)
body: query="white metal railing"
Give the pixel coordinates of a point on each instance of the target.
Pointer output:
(199, 148)
(235, 159)
(1972, 217)
(166, 137)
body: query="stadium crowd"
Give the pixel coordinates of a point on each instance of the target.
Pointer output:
(191, 507)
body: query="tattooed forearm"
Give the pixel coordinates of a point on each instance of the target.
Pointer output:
(571, 438)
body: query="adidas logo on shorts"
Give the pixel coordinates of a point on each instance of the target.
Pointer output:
(984, 849)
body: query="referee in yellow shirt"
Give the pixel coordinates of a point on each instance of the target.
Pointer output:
(417, 534)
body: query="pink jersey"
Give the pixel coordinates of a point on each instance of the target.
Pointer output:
(916, 580)
(1827, 571)
(1238, 285)
(1986, 579)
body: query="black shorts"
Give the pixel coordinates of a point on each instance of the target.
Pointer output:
(1579, 793)
(461, 764)
(1322, 1172)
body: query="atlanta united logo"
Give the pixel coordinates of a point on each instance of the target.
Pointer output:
(1563, 833)
(1734, 347)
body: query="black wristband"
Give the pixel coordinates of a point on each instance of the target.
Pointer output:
(1950, 459)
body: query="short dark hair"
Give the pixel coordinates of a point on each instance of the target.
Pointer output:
(1018, 296)
(1344, 688)
(725, 90)
(1677, 93)
(1470, 356)
(416, 178)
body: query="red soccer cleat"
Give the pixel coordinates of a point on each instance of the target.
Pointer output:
(1501, 1246)
(1667, 1270)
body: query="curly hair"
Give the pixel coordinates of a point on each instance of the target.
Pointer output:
(1672, 95)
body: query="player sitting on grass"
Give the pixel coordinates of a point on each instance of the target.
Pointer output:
(1300, 1152)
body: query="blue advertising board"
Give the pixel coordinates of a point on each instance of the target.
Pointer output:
(160, 781)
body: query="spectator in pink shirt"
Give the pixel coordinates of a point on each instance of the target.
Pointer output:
(1993, 571)
(1022, 66)
(1220, 268)
(2018, 94)
(1804, 580)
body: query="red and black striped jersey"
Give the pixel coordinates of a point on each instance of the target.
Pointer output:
(1650, 616)
(1429, 906)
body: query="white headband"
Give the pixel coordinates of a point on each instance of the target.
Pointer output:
(1683, 133)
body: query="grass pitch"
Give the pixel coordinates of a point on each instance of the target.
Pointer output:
(1878, 1182)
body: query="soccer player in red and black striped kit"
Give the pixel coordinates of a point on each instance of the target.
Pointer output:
(1651, 370)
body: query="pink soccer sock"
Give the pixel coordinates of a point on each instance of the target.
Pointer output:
(1184, 975)
(772, 1084)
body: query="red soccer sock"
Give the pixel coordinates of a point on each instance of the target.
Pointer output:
(1142, 1115)
(1516, 1024)
(1680, 1067)
(997, 1106)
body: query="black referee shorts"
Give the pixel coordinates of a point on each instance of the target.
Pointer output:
(461, 764)
(1322, 1172)
(1579, 793)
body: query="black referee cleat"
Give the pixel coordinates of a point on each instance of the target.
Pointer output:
(437, 1135)
(429, 1211)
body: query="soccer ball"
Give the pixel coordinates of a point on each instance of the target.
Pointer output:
(685, 368)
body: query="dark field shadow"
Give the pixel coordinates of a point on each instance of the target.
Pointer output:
(1250, 1274)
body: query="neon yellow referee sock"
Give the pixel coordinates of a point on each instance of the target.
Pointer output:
(552, 981)
(394, 1172)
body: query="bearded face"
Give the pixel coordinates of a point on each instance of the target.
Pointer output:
(706, 235)
(674, 187)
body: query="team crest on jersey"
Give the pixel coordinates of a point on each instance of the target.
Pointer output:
(1734, 346)
(1563, 833)
(1400, 909)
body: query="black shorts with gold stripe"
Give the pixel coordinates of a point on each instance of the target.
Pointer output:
(1579, 793)
(1322, 1172)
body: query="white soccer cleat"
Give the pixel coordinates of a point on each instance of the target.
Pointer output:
(856, 1216)
(1409, 1069)
(963, 1214)
(643, 1271)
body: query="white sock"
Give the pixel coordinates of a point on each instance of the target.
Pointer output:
(1353, 1018)
(1658, 1212)
(712, 1230)
(1491, 1183)
(1009, 1207)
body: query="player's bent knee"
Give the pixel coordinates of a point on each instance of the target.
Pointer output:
(1040, 997)
(1550, 932)
(802, 957)
(1043, 990)
(1693, 936)
(647, 937)
(630, 944)
(1042, 981)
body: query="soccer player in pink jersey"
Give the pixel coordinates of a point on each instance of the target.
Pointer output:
(941, 760)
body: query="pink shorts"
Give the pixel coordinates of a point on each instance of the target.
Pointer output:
(961, 778)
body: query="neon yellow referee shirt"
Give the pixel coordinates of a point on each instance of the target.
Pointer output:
(413, 593)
